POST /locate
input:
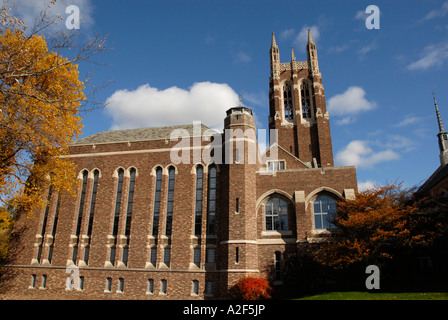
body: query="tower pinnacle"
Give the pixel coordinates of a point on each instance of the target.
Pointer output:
(310, 37)
(439, 119)
(442, 136)
(273, 43)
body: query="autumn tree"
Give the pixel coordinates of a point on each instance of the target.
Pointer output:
(41, 95)
(374, 227)
(251, 288)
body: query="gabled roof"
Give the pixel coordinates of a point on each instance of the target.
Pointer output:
(440, 174)
(289, 154)
(136, 134)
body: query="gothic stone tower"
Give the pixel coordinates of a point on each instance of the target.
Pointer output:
(297, 107)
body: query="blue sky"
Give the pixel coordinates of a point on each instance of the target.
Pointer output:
(173, 62)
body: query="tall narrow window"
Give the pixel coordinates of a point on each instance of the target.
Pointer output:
(127, 229)
(91, 213)
(120, 285)
(53, 230)
(306, 100)
(156, 212)
(170, 201)
(198, 207)
(153, 256)
(80, 214)
(211, 208)
(163, 286)
(33, 281)
(197, 256)
(44, 227)
(287, 100)
(237, 255)
(167, 256)
(44, 282)
(108, 284)
(116, 214)
(150, 286)
(277, 265)
(195, 287)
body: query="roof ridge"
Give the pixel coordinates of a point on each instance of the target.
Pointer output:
(135, 134)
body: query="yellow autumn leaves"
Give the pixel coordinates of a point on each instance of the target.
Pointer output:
(40, 94)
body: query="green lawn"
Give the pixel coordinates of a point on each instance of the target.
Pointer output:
(356, 295)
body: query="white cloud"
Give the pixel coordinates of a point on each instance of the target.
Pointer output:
(361, 15)
(242, 57)
(408, 120)
(437, 13)
(433, 56)
(397, 142)
(366, 49)
(29, 10)
(349, 103)
(359, 154)
(366, 185)
(302, 37)
(150, 107)
(286, 34)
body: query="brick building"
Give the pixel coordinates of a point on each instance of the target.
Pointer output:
(185, 218)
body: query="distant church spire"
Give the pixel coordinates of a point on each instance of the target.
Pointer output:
(439, 119)
(310, 38)
(442, 136)
(273, 43)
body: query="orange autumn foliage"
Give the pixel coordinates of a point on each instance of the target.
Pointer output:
(253, 289)
(373, 227)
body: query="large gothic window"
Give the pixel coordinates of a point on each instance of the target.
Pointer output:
(287, 100)
(157, 195)
(305, 100)
(211, 208)
(170, 201)
(324, 212)
(276, 214)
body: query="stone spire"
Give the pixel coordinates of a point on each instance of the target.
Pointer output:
(275, 58)
(442, 136)
(310, 38)
(439, 119)
(273, 43)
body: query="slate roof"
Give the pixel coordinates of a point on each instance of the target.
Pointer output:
(440, 174)
(135, 134)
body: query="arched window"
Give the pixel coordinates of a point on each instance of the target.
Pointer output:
(80, 215)
(170, 201)
(96, 174)
(324, 212)
(127, 228)
(211, 208)
(287, 101)
(156, 212)
(198, 206)
(306, 100)
(276, 214)
(113, 248)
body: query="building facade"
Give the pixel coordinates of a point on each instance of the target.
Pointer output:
(185, 218)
